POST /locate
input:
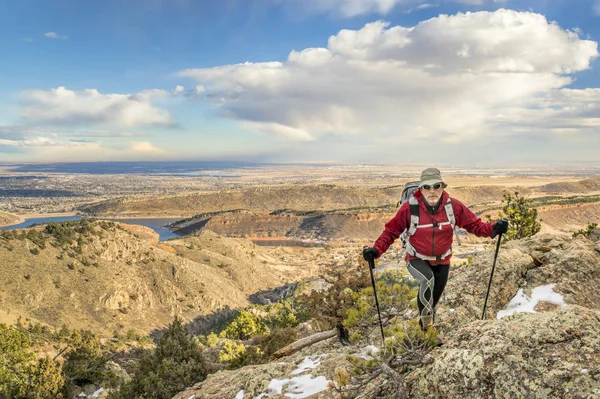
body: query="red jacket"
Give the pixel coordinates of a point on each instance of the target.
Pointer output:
(432, 241)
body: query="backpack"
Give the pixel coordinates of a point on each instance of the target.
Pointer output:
(407, 193)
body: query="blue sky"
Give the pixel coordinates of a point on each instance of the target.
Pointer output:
(453, 81)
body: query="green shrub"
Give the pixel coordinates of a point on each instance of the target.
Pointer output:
(329, 306)
(21, 375)
(212, 340)
(285, 314)
(393, 300)
(84, 361)
(245, 326)
(587, 232)
(521, 215)
(237, 355)
(175, 364)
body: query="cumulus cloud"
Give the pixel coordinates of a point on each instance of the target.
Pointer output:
(450, 77)
(67, 107)
(54, 35)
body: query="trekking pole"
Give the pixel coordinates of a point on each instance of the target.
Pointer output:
(491, 276)
(371, 267)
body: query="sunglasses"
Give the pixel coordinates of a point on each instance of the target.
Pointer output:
(435, 186)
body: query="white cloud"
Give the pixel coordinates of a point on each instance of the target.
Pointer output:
(63, 106)
(145, 147)
(448, 78)
(596, 7)
(426, 5)
(54, 35)
(178, 89)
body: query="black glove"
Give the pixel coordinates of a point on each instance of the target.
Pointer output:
(500, 227)
(370, 253)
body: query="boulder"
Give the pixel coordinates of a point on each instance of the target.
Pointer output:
(526, 355)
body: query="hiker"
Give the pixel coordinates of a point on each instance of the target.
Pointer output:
(428, 219)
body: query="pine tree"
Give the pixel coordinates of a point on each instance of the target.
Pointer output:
(521, 215)
(175, 364)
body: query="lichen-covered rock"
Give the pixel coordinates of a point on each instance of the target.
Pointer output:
(572, 265)
(553, 353)
(545, 355)
(312, 366)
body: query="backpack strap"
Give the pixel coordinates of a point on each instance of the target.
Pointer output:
(413, 205)
(450, 212)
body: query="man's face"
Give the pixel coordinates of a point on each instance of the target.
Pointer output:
(432, 194)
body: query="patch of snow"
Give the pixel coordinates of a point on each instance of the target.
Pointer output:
(297, 387)
(305, 386)
(522, 303)
(97, 393)
(240, 395)
(585, 371)
(309, 363)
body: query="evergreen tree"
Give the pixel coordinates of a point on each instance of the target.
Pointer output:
(521, 215)
(175, 364)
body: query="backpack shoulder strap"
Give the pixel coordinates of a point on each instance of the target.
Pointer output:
(450, 212)
(413, 205)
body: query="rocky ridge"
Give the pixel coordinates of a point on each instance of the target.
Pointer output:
(551, 353)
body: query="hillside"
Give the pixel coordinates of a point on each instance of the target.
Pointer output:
(102, 277)
(296, 197)
(342, 212)
(548, 348)
(6, 219)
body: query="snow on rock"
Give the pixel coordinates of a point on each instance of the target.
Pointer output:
(297, 387)
(522, 303)
(309, 363)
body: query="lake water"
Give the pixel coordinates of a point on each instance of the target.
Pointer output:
(154, 224)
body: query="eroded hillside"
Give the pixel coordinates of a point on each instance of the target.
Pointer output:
(296, 197)
(344, 212)
(102, 277)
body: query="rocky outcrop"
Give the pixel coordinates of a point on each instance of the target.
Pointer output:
(293, 376)
(553, 352)
(571, 264)
(527, 355)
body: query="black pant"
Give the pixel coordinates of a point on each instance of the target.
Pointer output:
(433, 280)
